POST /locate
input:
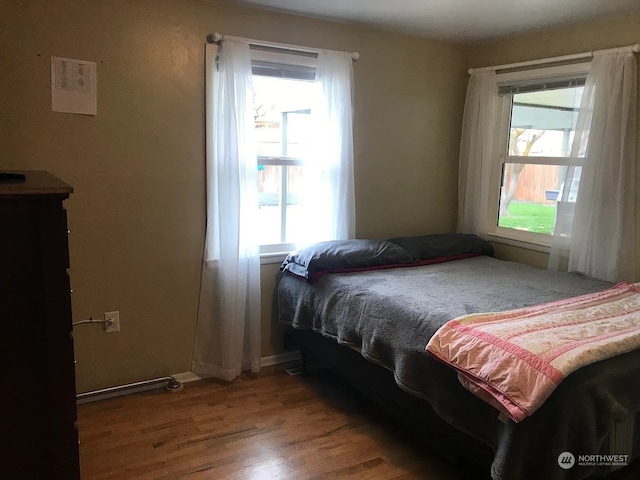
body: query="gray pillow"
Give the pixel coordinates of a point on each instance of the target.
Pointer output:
(344, 256)
(443, 245)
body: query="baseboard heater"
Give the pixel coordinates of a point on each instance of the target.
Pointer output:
(170, 385)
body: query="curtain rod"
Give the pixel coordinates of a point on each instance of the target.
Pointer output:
(218, 38)
(576, 56)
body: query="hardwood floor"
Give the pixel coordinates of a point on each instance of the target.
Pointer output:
(266, 426)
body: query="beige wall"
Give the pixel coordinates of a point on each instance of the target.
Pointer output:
(137, 214)
(602, 34)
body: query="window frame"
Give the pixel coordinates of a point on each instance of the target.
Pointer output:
(501, 157)
(275, 252)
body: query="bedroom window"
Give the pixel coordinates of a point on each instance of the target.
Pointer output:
(302, 107)
(536, 126)
(282, 101)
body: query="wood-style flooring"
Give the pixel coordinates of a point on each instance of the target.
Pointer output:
(260, 427)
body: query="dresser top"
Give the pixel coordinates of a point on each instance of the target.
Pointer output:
(36, 182)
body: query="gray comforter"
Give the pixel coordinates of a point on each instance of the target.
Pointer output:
(390, 315)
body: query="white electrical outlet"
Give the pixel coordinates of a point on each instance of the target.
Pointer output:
(112, 322)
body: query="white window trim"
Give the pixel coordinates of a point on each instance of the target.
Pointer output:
(545, 72)
(512, 236)
(535, 160)
(520, 244)
(284, 58)
(272, 258)
(276, 250)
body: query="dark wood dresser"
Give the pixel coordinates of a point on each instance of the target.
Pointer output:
(38, 431)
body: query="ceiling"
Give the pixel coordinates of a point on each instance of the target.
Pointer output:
(455, 20)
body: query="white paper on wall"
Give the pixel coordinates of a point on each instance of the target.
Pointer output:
(74, 86)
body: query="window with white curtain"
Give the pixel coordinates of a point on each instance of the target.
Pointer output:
(537, 111)
(522, 122)
(310, 97)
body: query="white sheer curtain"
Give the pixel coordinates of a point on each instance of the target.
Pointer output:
(228, 329)
(476, 149)
(328, 173)
(598, 237)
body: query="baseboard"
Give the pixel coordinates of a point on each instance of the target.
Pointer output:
(280, 358)
(122, 390)
(187, 377)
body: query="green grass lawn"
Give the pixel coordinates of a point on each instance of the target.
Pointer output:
(532, 217)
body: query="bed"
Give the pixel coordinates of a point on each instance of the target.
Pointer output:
(368, 311)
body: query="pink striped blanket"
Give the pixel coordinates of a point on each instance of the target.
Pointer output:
(515, 359)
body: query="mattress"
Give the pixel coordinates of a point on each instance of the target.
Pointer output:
(390, 315)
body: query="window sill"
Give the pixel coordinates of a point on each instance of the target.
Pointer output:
(271, 258)
(519, 243)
